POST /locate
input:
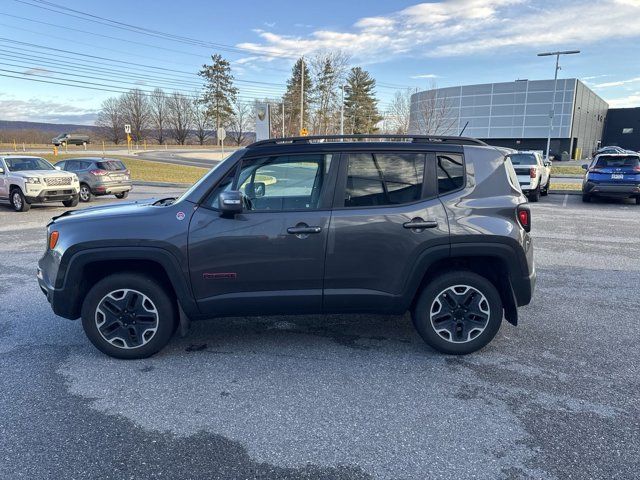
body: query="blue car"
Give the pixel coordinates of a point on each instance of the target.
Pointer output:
(612, 175)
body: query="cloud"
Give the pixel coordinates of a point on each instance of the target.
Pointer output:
(632, 100)
(617, 83)
(465, 27)
(425, 75)
(36, 110)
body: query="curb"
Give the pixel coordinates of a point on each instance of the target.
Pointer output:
(565, 192)
(567, 175)
(161, 184)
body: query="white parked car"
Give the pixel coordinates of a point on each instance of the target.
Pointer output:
(27, 180)
(534, 173)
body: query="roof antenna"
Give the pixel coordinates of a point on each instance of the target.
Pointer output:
(464, 128)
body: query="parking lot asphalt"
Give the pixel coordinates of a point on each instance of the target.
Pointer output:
(344, 397)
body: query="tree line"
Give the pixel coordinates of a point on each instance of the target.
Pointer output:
(323, 89)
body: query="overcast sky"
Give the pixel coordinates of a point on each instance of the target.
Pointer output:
(403, 44)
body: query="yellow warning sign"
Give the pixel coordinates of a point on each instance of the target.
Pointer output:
(304, 132)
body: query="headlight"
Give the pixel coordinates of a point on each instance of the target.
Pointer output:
(32, 180)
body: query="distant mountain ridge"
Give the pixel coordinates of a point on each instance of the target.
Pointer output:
(53, 128)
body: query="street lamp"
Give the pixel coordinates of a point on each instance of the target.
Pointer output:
(555, 85)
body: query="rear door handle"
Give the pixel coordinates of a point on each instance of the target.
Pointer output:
(419, 224)
(303, 230)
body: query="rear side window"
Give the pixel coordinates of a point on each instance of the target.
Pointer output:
(450, 172)
(375, 179)
(523, 159)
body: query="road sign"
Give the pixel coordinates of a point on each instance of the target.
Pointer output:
(304, 132)
(221, 134)
(127, 128)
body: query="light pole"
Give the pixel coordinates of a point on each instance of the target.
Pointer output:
(555, 85)
(342, 112)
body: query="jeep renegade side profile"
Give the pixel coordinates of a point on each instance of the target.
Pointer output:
(434, 225)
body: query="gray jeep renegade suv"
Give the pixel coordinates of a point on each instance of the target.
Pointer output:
(337, 224)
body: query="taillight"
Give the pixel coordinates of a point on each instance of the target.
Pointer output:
(99, 173)
(636, 169)
(532, 172)
(524, 217)
(53, 239)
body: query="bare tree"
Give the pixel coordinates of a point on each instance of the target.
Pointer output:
(180, 116)
(329, 70)
(158, 114)
(432, 113)
(397, 118)
(202, 121)
(240, 122)
(110, 120)
(136, 112)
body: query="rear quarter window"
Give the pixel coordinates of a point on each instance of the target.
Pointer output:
(450, 169)
(111, 165)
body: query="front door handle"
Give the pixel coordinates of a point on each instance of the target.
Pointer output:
(303, 229)
(420, 224)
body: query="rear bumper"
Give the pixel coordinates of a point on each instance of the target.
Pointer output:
(611, 189)
(111, 188)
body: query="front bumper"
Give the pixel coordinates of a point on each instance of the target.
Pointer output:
(611, 189)
(58, 298)
(52, 195)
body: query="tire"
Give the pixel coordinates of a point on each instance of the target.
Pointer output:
(18, 202)
(73, 202)
(534, 195)
(586, 198)
(115, 329)
(122, 195)
(637, 200)
(478, 330)
(85, 193)
(545, 191)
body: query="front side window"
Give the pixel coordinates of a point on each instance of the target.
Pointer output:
(375, 179)
(292, 182)
(450, 168)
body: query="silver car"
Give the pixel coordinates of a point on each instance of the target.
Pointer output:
(99, 176)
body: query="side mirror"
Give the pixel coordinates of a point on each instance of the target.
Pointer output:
(57, 168)
(255, 189)
(585, 166)
(230, 203)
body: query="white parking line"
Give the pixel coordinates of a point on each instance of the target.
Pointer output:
(564, 202)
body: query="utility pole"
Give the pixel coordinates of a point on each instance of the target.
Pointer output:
(342, 112)
(282, 119)
(302, 94)
(555, 87)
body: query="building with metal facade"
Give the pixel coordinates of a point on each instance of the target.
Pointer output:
(515, 114)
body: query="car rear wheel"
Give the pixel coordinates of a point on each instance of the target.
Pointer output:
(85, 193)
(128, 316)
(545, 190)
(18, 202)
(73, 202)
(637, 200)
(534, 195)
(122, 195)
(458, 313)
(586, 198)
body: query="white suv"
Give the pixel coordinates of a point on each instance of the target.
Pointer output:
(27, 180)
(534, 173)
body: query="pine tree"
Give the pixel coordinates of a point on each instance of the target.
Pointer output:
(292, 98)
(360, 103)
(219, 92)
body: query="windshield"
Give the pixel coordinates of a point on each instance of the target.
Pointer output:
(20, 164)
(618, 162)
(523, 159)
(62, 135)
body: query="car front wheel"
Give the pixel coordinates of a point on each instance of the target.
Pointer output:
(73, 202)
(18, 202)
(128, 316)
(458, 313)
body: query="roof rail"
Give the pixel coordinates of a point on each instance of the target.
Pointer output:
(369, 137)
